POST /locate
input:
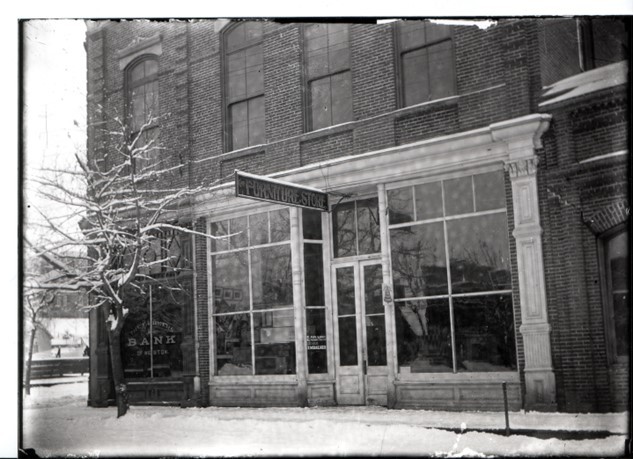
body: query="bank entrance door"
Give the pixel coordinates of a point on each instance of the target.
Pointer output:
(361, 356)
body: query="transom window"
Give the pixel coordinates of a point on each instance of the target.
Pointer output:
(356, 228)
(244, 59)
(450, 261)
(427, 64)
(327, 55)
(251, 278)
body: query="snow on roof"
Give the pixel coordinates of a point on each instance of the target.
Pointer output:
(585, 83)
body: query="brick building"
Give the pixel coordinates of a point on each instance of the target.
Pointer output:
(477, 224)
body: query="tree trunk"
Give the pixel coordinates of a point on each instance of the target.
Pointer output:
(120, 388)
(27, 379)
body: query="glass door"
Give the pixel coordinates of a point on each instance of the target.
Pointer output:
(361, 357)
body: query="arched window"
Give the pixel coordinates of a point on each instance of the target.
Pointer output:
(142, 100)
(244, 84)
(427, 64)
(616, 285)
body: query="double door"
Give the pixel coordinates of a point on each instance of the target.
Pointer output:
(360, 338)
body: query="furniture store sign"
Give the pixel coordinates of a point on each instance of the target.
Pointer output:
(266, 189)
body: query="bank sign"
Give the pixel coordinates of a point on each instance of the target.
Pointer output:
(271, 190)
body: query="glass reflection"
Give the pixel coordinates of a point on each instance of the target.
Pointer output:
(423, 334)
(233, 345)
(347, 341)
(484, 333)
(258, 228)
(368, 226)
(428, 201)
(490, 191)
(345, 296)
(400, 205)
(230, 289)
(418, 261)
(373, 289)
(313, 263)
(458, 195)
(220, 229)
(271, 277)
(376, 340)
(312, 224)
(316, 340)
(238, 227)
(479, 251)
(274, 342)
(279, 225)
(343, 220)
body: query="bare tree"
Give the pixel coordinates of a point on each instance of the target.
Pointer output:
(121, 205)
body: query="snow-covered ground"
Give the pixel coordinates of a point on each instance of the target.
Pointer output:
(57, 422)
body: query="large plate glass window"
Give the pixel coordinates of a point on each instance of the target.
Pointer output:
(251, 278)
(356, 228)
(617, 286)
(450, 261)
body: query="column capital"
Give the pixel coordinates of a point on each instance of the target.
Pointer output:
(521, 167)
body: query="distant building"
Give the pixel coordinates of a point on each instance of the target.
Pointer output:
(477, 225)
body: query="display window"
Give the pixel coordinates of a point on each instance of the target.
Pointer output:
(450, 264)
(253, 308)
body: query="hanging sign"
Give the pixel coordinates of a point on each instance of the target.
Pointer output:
(266, 189)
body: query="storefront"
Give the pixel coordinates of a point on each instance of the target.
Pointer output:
(421, 287)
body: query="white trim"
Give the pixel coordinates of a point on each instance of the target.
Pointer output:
(608, 155)
(462, 377)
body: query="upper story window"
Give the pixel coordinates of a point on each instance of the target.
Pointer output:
(142, 101)
(617, 284)
(329, 78)
(427, 64)
(244, 61)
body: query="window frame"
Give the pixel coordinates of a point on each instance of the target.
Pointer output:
(399, 63)
(226, 102)
(308, 79)
(449, 296)
(129, 88)
(607, 292)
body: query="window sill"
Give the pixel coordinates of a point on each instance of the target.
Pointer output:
(429, 106)
(242, 152)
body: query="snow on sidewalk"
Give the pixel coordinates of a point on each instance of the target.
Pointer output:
(57, 421)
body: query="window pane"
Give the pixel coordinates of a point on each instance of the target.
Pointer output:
(458, 195)
(490, 191)
(254, 71)
(236, 36)
(271, 276)
(344, 227)
(400, 205)
(279, 225)
(415, 77)
(484, 333)
(317, 340)
(338, 38)
(219, 229)
(317, 49)
(258, 228)
(313, 264)
(230, 285)
(256, 121)
(442, 70)
(341, 98)
(312, 224)
(373, 289)
(435, 32)
(619, 285)
(368, 226)
(347, 341)
(239, 125)
(411, 34)
(618, 258)
(137, 73)
(320, 103)
(274, 342)
(428, 200)
(167, 330)
(238, 228)
(233, 345)
(236, 75)
(418, 261)
(345, 295)
(423, 335)
(479, 253)
(376, 340)
(135, 336)
(253, 30)
(622, 317)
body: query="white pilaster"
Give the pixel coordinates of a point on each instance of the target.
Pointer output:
(521, 140)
